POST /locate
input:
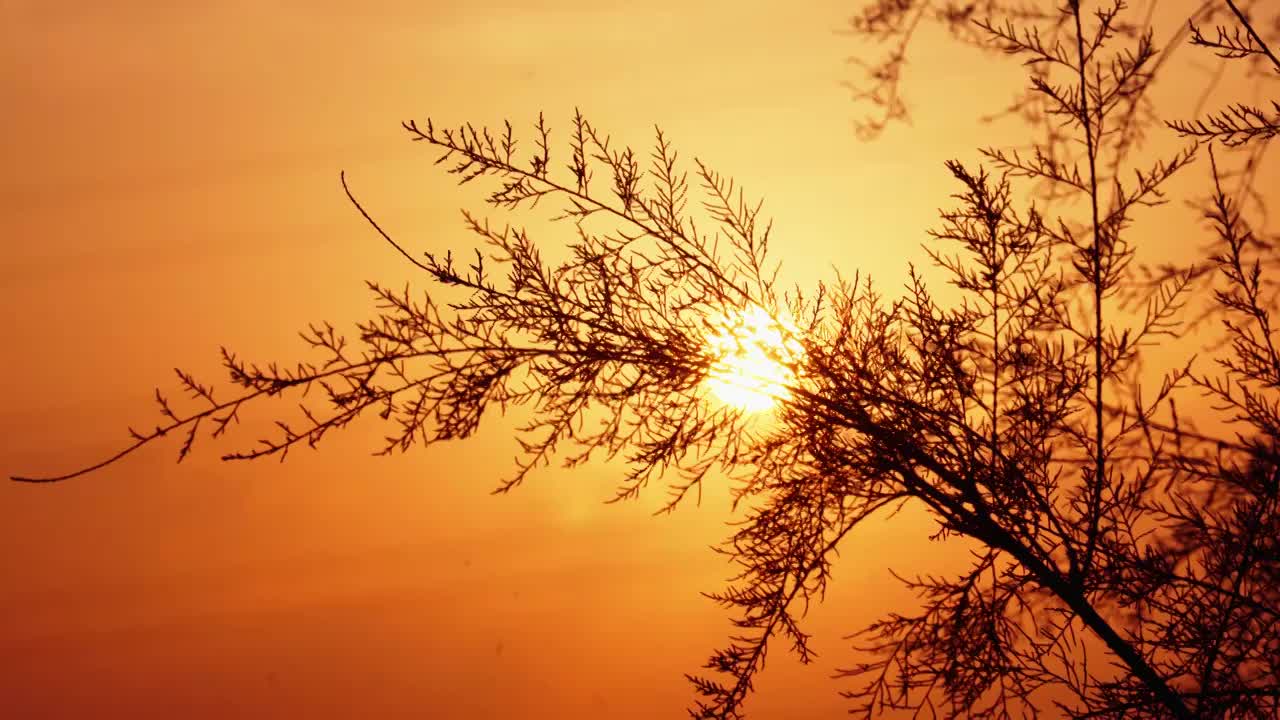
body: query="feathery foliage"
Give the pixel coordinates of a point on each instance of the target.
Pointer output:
(1019, 416)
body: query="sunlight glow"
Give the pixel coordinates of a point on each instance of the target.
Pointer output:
(755, 359)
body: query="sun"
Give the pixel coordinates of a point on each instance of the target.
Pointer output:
(755, 356)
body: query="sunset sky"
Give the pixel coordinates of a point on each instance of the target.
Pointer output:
(171, 185)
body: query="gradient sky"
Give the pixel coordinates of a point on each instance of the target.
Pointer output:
(171, 185)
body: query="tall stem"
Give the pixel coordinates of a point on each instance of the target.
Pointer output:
(1099, 461)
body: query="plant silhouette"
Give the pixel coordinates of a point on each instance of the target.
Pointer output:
(1017, 416)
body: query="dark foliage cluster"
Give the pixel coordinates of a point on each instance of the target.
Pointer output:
(1020, 414)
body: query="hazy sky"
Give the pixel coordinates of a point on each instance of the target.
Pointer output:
(170, 184)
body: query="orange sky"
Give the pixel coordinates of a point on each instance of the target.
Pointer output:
(171, 184)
